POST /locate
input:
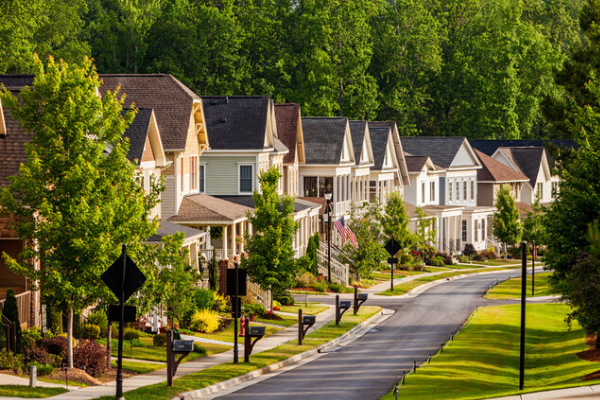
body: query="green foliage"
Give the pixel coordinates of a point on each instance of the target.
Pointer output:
(160, 340)
(203, 298)
(254, 309)
(90, 331)
(205, 321)
(131, 334)
(11, 311)
(305, 280)
(506, 224)
(311, 253)
(270, 262)
(425, 235)
(12, 361)
(213, 272)
(2, 338)
(43, 369)
(283, 297)
(533, 225)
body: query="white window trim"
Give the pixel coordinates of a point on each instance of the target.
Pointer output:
(450, 191)
(201, 177)
(240, 165)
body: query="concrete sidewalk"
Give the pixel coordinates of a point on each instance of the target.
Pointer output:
(6, 379)
(580, 393)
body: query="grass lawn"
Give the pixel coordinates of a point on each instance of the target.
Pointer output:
(483, 360)
(229, 370)
(464, 266)
(27, 392)
(406, 287)
(511, 288)
(151, 353)
(139, 367)
(227, 334)
(285, 322)
(496, 262)
(312, 309)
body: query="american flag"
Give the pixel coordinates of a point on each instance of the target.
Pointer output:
(343, 230)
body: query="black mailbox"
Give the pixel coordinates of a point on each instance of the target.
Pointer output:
(257, 331)
(362, 296)
(345, 304)
(183, 346)
(309, 319)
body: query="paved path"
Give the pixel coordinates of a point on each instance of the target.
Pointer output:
(6, 379)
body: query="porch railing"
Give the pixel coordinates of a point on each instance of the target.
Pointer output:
(339, 271)
(24, 305)
(262, 296)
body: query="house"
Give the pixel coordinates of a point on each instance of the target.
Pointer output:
(459, 219)
(492, 176)
(289, 130)
(364, 160)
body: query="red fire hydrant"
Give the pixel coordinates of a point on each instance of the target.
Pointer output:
(242, 327)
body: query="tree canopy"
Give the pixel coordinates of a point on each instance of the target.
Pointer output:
(506, 224)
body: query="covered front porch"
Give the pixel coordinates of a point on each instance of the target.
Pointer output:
(449, 227)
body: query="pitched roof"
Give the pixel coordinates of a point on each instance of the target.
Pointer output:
(138, 133)
(415, 163)
(358, 130)
(205, 208)
(393, 127)
(287, 117)
(379, 142)
(248, 201)
(495, 171)
(323, 139)
(171, 100)
(279, 147)
(441, 149)
(12, 147)
(316, 200)
(527, 159)
(489, 147)
(167, 228)
(16, 81)
(236, 122)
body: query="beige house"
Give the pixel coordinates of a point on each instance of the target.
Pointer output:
(364, 160)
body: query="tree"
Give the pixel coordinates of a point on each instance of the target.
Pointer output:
(11, 311)
(506, 224)
(270, 262)
(369, 253)
(425, 234)
(395, 221)
(533, 224)
(76, 198)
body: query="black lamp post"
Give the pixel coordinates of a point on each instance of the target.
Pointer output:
(328, 196)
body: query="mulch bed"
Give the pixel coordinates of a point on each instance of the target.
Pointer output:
(274, 317)
(592, 354)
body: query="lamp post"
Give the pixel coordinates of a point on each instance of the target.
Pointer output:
(328, 196)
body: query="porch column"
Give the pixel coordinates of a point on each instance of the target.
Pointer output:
(233, 241)
(225, 240)
(243, 229)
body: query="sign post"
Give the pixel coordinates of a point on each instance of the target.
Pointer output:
(123, 278)
(533, 256)
(392, 247)
(236, 286)
(523, 304)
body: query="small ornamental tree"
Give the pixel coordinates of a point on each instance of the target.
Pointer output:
(425, 234)
(506, 224)
(11, 311)
(270, 262)
(77, 197)
(395, 221)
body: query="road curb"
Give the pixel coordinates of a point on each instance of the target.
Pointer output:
(209, 390)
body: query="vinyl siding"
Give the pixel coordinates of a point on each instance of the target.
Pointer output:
(222, 173)
(485, 194)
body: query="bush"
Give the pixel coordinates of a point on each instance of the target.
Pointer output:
(220, 302)
(438, 261)
(337, 287)
(100, 319)
(31, 337)
(305, 280)
(2, 338)
(491, 254)
(199, 349)
(12, 361)
(90, 331)
(130, 334)
(11, 311)
(43, 369)
(463, 259)
(160, 340)
(469, 250)
(255, 309)
(320, 286)
(517, 252)
(284, 297)
(204, 299)
(447, 258)
(90, 357)
(57, 345)
(206, 321)
(38, 355)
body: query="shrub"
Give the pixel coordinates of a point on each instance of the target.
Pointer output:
(469, 250)
(11, 311)
(255, 308)
(100, 319)
(90, 331)
(220, 302)
(43, 369)
(199, 349)
(130, 334)
(284, 297)
(2, 338)
(491, 254)
(320, 286)
(438, 261)
(160, 340)
(305, 280)
(204, 298)
(90, 357)
(206, 321)
(447, 258)
(12, 361)
(57, 345)
(337, 287)
(31, 337)
(463, 259)
(38, 355)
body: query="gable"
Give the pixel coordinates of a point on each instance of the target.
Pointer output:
(464, 157)
(148, 154)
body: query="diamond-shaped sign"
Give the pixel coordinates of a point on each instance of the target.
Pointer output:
(392, 247)
(113, 276)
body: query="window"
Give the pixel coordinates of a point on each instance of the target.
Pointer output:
(540, 190)
(432, 191)
(246, 177)
(472, 189)
(310, 186)
(554, 189)
(465, 194)
(423, 192)
(476, 232)
(181, 173)
(483, 229)
(464, 230)
(457, 191)
(193, 172)
(324, 183)
(202, 173)
(450, 185)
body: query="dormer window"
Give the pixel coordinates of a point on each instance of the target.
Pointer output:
(345, 152)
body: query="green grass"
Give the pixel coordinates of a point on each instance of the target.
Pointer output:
(226, 335)
(151, 353)
(511, 288)
(139, 367)
(497, 262)
(406, 287)
(285, 322)
(30, 393)
(223, 372)
(483, 360)
(464, 266)
(312, 309)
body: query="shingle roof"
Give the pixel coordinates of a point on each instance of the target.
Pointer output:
(16, 81)
(202, 207)
(527, 159)
(379, 141)
(323, 139)
(236, 122)
(489, 147)
(415, 163)
(495, 171)
(441, 149)
(279, 147)
(248, 201)
(171, 100)
(138, 133)
(287, 117)
(167, 228)
(12, 147)
(316, 200)
(358, 131)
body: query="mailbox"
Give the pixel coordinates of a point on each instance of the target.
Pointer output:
(309, 319)
(362, 296)
(183, 346)
(257, 331)
(345, 304)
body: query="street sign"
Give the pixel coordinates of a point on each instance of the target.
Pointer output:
(392, 247)
(113, 276)
(231, 282)
(392, 260)
(114, 313)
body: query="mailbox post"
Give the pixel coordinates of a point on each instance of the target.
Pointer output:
(339, 306)
(359, 299)
(257, 332)
(304, 324)
(183, 347)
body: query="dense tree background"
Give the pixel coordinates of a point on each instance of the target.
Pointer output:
(476, 68)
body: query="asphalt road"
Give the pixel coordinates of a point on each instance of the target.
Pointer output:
(369, 367)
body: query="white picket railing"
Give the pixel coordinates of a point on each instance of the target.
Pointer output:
(339, 271)
(262, 296)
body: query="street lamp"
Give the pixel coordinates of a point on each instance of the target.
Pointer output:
(328, 196)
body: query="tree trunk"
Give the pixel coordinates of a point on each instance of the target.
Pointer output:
(108, 344)
(70, 337)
